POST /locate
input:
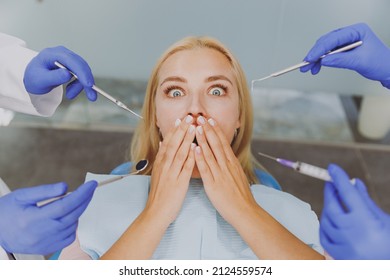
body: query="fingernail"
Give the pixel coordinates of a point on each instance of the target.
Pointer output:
(211, 122)
(199, 129)
(191, 129)
(197, 150)
(177, 122)
(201, 120)
(189, 119)
(193, 146)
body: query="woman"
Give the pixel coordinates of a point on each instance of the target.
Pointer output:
(196, 136)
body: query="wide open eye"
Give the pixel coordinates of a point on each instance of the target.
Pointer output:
(175, 93)
(217, 91)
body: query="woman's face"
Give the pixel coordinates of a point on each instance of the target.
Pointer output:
(197, 82)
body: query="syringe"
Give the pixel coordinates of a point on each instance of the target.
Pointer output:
(303, 168)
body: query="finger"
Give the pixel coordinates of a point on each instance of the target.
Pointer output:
(206, 152)
(67, 231)
(189, 165)
(59, 245)
(228, 152)
(327, 243)
(203, 167)
(62, 240)
(73, 216)
(332, 203)
(34, 195)
(164, 144)
(69, 203)
(361, 187)
(73, 89)
(329, 230)
(348, 60)
(171, 147)
(223, 152)
(55, 77)
(316, 68)
(74, 63)
(91, 94)
(183, 151)
(334, 209)
(346, 191)
(332, 40)
(306, 68)
(213, 140)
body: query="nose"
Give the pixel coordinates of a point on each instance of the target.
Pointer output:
(196, 106)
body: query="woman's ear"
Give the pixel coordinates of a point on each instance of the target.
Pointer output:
(238, 124)
(157, 124)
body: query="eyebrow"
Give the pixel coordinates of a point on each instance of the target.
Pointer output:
(218, 77)
(209, 79)
(174, 79)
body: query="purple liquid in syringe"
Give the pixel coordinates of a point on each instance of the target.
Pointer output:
(286, 162)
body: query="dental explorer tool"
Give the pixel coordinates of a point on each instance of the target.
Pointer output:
(140, 166)
(303, 168)
(102, 92)
(304, 63)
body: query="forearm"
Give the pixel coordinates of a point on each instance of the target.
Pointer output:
(140, 240)
(268, 239)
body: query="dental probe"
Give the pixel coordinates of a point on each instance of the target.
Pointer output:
(102, 92)
(140, 166)
(303, 168)
(299, 65)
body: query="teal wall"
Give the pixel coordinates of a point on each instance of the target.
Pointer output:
(123, 39)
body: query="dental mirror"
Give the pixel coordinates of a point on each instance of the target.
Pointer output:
(140, 166)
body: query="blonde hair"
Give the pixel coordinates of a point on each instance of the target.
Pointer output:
(146, 138)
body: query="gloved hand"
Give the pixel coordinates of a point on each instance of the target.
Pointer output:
(371, 59)
(26, 228)
(42, 75)
(352, 226)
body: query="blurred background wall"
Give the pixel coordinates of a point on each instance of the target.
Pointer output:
(123, 38)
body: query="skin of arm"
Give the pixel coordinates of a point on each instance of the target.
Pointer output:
(228, 190)
(170, 179)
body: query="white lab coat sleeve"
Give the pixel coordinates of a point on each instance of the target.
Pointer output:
(14, 57)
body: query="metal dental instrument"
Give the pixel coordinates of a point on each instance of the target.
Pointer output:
(303, 168)
(140, 166)
(102, 92)
(299, 65)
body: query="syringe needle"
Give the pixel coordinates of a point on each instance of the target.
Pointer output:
(267, 156)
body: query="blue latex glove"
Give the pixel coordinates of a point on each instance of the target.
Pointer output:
(371, 59)
(42, 75)
(352, 226)
(26, 228)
